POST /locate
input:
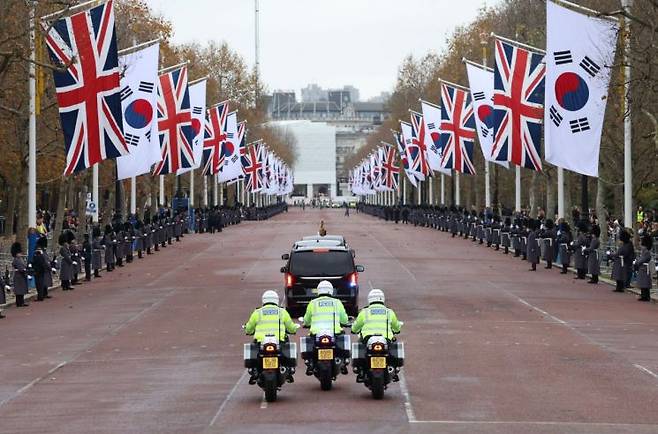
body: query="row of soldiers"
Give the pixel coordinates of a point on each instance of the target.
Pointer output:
(215, 219)
(534, 240)
(113, 247)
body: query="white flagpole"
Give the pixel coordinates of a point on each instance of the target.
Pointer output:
(215, 187)
(517, 193)
(628, 162)
(133, 195)
(404, 190)
(487, 176)
(420, 192)
(205, 191)
(162, 192)
(431, 192)
(560, 192)
(443, 189)
(192, 188)
(32, 147)
(457, 192)
(94, 192)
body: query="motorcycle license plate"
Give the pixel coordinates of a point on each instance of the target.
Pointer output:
(270, 363)
(325, 354)
(378, 363)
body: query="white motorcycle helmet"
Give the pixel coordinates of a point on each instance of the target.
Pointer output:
(376, 296)
(325, 288)
(270, 297)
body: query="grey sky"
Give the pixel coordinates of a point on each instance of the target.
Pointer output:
(329, 42)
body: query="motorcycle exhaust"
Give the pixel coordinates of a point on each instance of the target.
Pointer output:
(282, 370)
(391, 369)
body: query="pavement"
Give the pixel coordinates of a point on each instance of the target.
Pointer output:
(491, 348)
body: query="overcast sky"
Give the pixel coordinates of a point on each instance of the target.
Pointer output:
(329, 42)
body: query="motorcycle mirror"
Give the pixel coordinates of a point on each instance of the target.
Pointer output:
(360, 268)
(285, 256)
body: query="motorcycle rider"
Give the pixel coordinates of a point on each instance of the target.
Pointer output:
(270, 319)
(376, 319)
(324, 310)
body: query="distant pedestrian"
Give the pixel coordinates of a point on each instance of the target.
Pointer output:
(347, 209)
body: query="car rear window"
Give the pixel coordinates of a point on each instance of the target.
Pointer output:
(321, 263)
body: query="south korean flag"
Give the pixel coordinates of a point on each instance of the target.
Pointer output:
(139, 75)
(580, 52)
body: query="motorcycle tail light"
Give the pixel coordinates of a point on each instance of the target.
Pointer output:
(325, 340)
(377, 347)
(270, 348)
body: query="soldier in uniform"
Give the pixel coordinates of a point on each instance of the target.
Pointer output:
(622, 261)
(643, 264)
(66, 265)
(564, 240)
(96, 246)
(549, 237)
(592, 252)
(532, 249)
(505, 235)
(74, 249)
(580, 262)
(139, 238)
(40, 265)
(109, 241)
(20, 274)
(87, 256)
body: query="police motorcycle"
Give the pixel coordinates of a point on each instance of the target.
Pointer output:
(377, 362)
(326, 355)
(270, 363)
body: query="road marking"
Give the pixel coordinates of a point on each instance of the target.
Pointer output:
(648, 371)
(535, 423)
(543, 312)
(228, 398)
(393, 256)
(411, 416)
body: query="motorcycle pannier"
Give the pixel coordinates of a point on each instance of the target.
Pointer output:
(289, 351)
(396, 353)
(343, 345)
(306, 347)
(251, 355)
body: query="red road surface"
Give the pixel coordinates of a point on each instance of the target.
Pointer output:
(156, 347)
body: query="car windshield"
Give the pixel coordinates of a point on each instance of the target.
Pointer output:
(321, 263)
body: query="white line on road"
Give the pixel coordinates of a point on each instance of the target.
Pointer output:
(648, 371)
(543, 312)
(411, 416)
(228, 398)
(533, 423)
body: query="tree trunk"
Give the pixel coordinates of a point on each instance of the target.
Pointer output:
(532, 194)
(11, 215)
(59, 213)
(600, 208)
(550, 197)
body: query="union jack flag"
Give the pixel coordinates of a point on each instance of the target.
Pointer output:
(174, 123)
(418, 149)
(518, 105)
(215, 134)
(88, 91)
(457, 129)
(252, 163)
(390, 172)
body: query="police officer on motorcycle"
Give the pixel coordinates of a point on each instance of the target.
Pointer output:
(270, 319)
(376, 319)
(324, 311)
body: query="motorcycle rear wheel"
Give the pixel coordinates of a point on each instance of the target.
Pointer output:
(377, 387)
(271, 389)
